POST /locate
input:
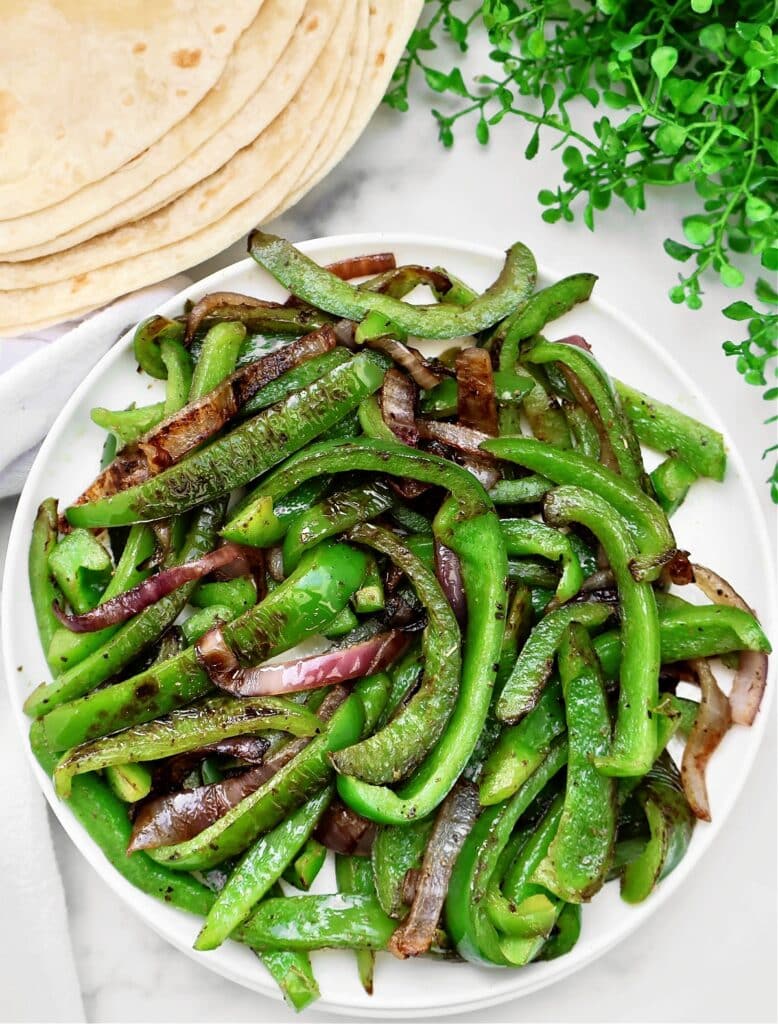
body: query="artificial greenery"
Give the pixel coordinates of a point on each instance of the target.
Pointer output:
(686, 94)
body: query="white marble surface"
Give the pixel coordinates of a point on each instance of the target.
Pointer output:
(711, 955)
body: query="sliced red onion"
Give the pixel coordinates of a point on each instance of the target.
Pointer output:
(398, 406)
(344, 831)
(408, 358)
(449, 573)
(124, 606)
(455, 818)
(275, 562)
(576, 340)
(220, 301)
(714, 718)
(334, 666)
(476, 399)
(464, 439)
(363, 266)
(751, 677)
(408, 276)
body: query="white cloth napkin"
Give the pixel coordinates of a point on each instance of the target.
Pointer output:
(40, 982)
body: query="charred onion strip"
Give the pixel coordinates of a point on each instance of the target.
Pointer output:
(344, 831)
(476, 400)
(221, 304)
(410, 359)
(398, 406)
(449, 573)
(362, 266)
(751, 677)
(132, 602)
(334, 666)
(714, 718)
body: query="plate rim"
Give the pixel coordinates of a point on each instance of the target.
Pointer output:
(554, 970)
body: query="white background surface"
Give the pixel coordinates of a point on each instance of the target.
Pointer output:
(711, 955)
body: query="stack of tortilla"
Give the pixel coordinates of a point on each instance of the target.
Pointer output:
(138, 139)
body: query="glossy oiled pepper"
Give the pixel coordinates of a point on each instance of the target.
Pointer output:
(187, 729)
(178, 364)
(43, 590)
(304, 869)
(243, 453)
(82, 568)
(218, 355)
(238, 594)
(527, 537)
(295, 380)
(509, 389)
(634, 742)
(147, 343)
(671, 481)
(286, 790)
(394, 751)
(398, 849)
(339, 921)
(130, 782)
(355, 875)
(267, 521)
(468, 525)
(128, 424)
(645, 519)
(299, 607)
(258, 870)
(578, 858)
(525, 490)
(370, 597)
(316, 285)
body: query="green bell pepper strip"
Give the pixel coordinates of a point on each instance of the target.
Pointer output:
(218, 357)
(393, 752)
(147, 343)
(128, 424)
(635, 734)
(355, 875)
(666, 429)
(696, 631)
(396, 850)
(344, 622)
(238, 594)
(404, 676)
(521, 748)
(299, 607)
(43, 588)
(338, 921)
(578, 859)
(534, 917)
(584, 433)
(467, 524)
(295, 380)
(286, 790)
(533, 666)
(509, 388)
(66, 648)
(258, 870)
(671, 481)
(186, 729)
(243, 453)
(566, 933)
(82, 568)
(371, 420)
(596, 382)
(130, 782)
(269, 520)
(267, 320)
(178, 364)
(534, 573)
(304, 869)
(291, 970)
(527, 537)
(467, 922)
(134, 636)
(671, 822)
(332, 516)
(316, 285)
(525, 490)
(198, 624)
(535, 312)
(370, 597)
(646, 521)
(546, 419)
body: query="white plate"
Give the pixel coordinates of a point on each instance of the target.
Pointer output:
(721, 524)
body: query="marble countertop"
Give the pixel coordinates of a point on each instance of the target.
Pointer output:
(711, 954)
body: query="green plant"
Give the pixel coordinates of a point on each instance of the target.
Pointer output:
(690, 89)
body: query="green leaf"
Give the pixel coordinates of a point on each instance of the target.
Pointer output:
(436, 80)
(572, 159)
(546, 197)
(766, 293)
(616, 100)
(677, 251)
(713, 37)
(532, 147)
(739, 311)
(757, 209)
(697, 230)
(551, 216)
(731, 276)
(663, 60)
(588, 216)
(670, 138)
(770, 259)
(536, 44)
(482, 131)
(701, 6)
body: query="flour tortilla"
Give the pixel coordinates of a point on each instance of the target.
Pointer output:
(89, 84)
(196, 146)
(389, 27)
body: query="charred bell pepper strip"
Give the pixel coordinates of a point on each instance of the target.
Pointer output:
(635, 735)
(128, 424)
(579, 856)
(258, 870)
(130, 782)
(44, 591)
(645, 519)
(82, 568)
(314, 284)
(263, 317)
(583, 431)
(242, 454)
(355, 875)
(295, 380)
(526, 490)
(666, 429)
(370, 597)
(304, 869)
(218, 356)
(132, 638)
(670, 821)
(527, 537)
(286, 790)
(148, 340)
(671, 481)
(521, 748)
(398, 849)
(393, 752)
(299, 607)
(565, 935)
(332, 516)
(472, 931)
(337, 921)
(178, 364)
(509, 389)
(693, 631)
(533, 666)
(598, 385)
(372, 421)
(238, 594)
(267, 521)
(186, 729)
